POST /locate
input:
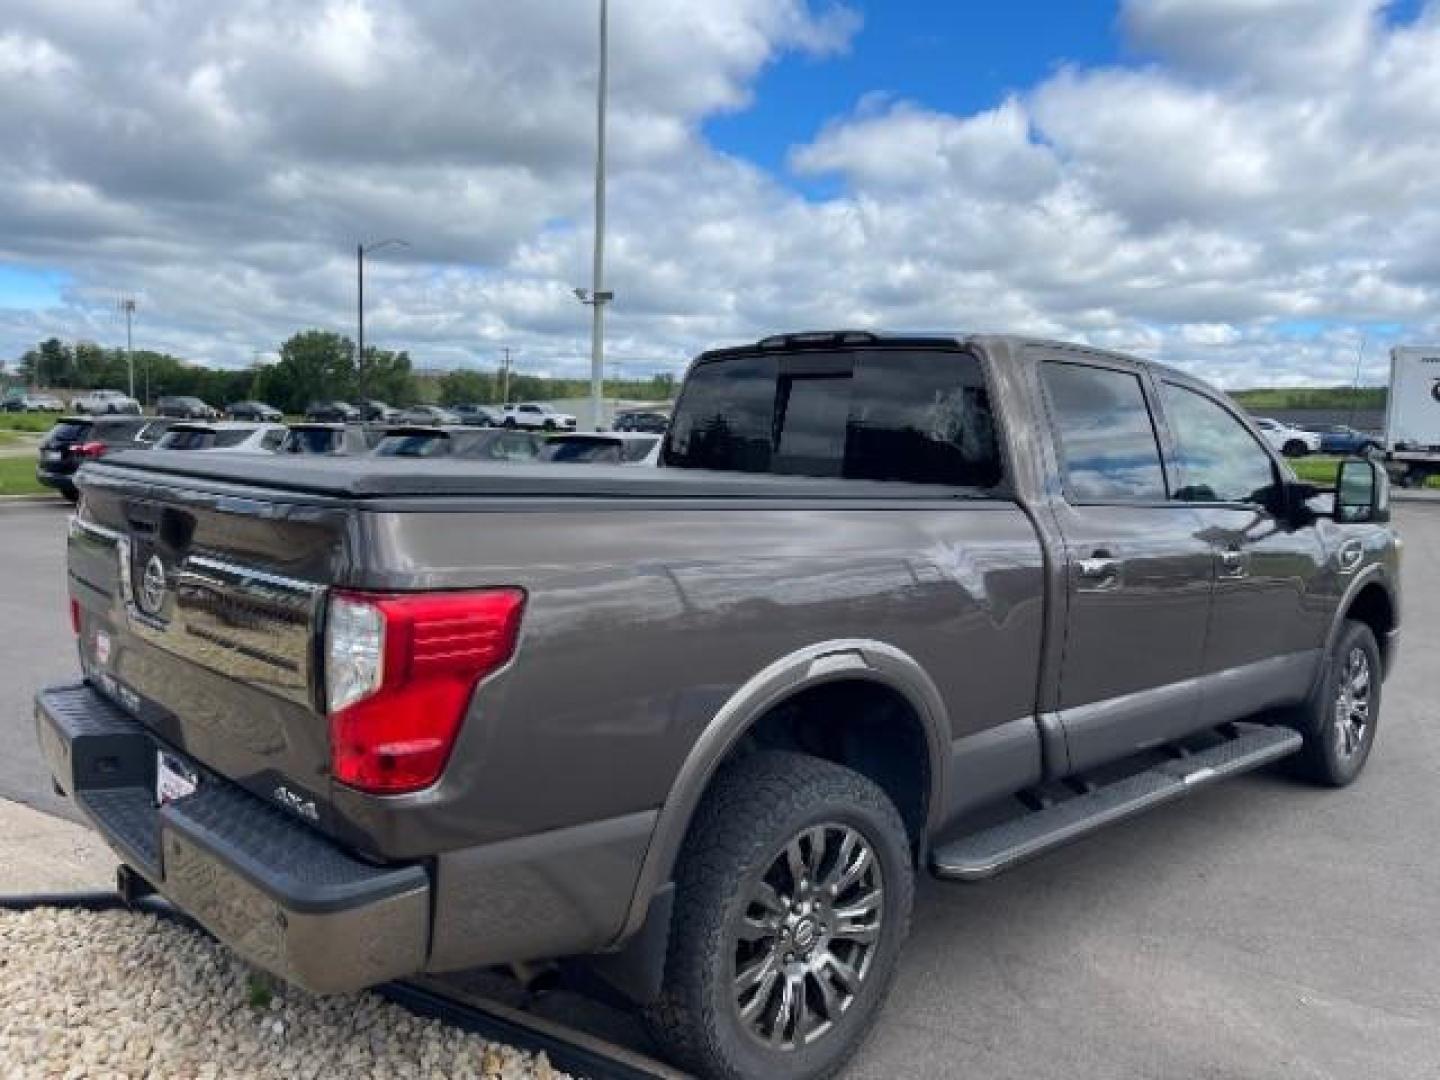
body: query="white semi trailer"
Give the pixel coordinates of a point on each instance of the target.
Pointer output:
(1412, 413)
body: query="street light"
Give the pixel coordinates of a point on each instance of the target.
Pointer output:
(596, 296)
(361, 250)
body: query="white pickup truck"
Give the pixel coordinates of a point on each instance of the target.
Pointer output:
(105, 403)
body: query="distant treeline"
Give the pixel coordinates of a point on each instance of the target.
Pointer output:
(318, 365)
(1328, 397)
(314, 365)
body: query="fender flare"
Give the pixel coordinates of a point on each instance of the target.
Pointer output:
(814, 665)
(1371, 575)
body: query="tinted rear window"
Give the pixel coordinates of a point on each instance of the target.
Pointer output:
(883, 414)
(186, 440)
(311, 441)
(70, 431)
(588, 451)
(120, 429)
(417, 445)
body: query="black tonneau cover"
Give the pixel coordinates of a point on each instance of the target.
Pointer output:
(390, 478)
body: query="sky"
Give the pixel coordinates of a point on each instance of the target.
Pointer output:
(1244, 188)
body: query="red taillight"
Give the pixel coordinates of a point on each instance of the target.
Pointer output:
(92, 449)
(75, 616)
(399, 674)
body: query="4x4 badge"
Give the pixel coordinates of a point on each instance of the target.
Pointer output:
(150, 597)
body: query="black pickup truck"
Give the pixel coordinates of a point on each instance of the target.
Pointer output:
(892, 605)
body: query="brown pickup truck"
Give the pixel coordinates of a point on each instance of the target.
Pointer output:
(890, 605)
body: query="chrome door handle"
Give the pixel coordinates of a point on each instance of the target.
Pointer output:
(1099, 573)
(1234, 564)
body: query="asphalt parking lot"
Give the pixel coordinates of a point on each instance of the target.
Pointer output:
(1259, 929)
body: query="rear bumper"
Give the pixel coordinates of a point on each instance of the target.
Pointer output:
(276, 892)
(61, 478)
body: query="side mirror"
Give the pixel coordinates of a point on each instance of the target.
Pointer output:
(1362, 491)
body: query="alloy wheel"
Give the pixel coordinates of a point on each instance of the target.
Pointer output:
(1352, 704)
(807, 937)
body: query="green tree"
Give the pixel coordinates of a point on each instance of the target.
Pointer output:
(314, 365)
(386, 375)
(466, 386)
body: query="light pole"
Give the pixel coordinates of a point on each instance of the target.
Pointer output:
(596, 296)
(361, 250)
(127, 305)
(505, 379)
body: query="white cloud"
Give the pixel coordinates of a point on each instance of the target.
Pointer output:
(1246, 200)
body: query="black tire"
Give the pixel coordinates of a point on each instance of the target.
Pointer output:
(1295, 448)
(549, 425)
(744, 826)
(510, 422)
(1333, 756)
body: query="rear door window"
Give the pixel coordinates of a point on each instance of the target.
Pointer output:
(1105, 433)
(431, 444)
(231, 437)
(921, 416)
(186, 439)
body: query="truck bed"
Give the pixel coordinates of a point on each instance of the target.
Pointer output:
(399, 478)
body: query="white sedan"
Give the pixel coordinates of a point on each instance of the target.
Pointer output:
(1290, 441)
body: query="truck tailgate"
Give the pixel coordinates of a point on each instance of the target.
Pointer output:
(199, 614)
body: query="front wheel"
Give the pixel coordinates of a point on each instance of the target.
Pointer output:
(1295, 448)
(793, 897)
(1338, 722)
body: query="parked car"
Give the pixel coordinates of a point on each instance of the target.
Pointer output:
(253, 410)
(224, 437)
(643, 420)
(479, 415)
(75, 440)
(22, 401)
(494, 444)
(184, 408)
(1290, 441)
(1344, 440)
(334, 412)
(427, 414)
(536, 416)
(329, 439)
(377, 412)
(602, 448)
(894, 605)
(105, 402)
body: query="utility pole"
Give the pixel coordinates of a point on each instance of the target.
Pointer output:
(127, 305)
(505, 379)
(359, 306)
(597, 297)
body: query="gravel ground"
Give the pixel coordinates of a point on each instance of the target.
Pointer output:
(115, 994)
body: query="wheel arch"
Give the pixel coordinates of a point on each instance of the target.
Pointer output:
(1371, 600)
(872, 664)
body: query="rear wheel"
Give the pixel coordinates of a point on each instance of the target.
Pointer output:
(1295, 448)
(1339, 721)
(793, 897)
